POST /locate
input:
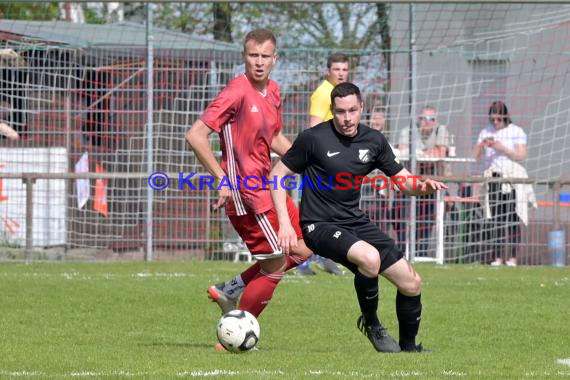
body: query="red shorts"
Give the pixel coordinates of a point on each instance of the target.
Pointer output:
(259, 231)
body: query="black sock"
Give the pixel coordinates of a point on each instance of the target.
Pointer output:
(367, 293)
(409, 312)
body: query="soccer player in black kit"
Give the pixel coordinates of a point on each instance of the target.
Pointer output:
(334, 158)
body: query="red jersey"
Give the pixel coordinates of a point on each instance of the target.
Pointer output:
(246, 121)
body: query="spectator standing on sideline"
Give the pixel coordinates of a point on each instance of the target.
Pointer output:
(247, 116)
(432, 141)
(332, 222)
(503, 145)
(337, 72)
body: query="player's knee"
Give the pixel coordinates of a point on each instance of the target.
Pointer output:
(413, 287)
(302, 250)
(417, 285)
(371, 262)
(276, 264)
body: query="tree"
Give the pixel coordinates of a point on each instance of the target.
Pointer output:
(135, 11)
(30, 11)
(222, 22)
(384, 31)
(335, 25)
(191, 18)
(203, 19)
(386, 45)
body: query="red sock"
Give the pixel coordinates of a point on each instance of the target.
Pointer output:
(293, 261)
(249, 274)
(259, 292)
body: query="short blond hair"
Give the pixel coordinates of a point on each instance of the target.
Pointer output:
(260, 36)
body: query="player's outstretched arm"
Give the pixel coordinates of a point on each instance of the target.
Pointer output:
(287, 235)
(415, 186)
(197, 137)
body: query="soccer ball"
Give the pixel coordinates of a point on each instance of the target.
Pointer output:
(238, 331)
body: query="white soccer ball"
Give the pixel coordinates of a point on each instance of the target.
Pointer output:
(238, 331)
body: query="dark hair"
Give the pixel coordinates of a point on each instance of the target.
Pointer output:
(500, 108)
(260, 36)
(343, 90)
(335, 58)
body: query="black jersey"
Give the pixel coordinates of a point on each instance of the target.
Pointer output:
(329, 163)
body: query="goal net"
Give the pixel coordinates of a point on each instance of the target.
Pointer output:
(82, 87)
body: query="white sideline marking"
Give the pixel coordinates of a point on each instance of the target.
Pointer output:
(564, 361)
(22, 373)
(231, 373)
(84, 374)
(73, 374)
(453, 373)
(327, 374)
(225, 372)
(96, 276)
(321, 373)
(160, 274)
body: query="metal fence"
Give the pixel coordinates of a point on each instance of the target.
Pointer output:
(78, 97)
(456, 230)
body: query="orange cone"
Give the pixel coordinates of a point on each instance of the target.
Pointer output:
(100, 200)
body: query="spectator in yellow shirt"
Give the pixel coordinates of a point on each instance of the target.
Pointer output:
(337, 72)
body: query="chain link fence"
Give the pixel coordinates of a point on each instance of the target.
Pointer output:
(77, 95)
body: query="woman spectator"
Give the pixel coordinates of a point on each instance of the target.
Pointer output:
(501, 146)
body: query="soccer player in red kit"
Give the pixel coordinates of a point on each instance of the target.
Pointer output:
(247, 116)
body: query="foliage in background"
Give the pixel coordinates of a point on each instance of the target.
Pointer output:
(336, 25)
(30, 11)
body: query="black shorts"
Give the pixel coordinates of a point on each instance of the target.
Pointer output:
(334, 241)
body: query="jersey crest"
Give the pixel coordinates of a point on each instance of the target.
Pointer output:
(363, 155)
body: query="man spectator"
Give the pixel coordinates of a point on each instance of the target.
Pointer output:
(337, 72)
(432, 141)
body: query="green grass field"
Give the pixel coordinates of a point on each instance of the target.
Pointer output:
(153, 320)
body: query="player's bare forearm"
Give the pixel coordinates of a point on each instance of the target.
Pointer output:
(197, 137)
(287, 236)
(280, 144)
(278, 193)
